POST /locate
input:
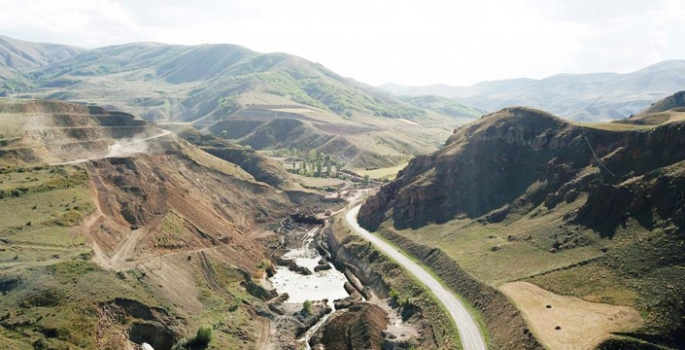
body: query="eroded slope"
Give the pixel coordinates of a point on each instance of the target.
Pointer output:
(115, 232)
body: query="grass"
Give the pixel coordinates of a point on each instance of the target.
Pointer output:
(230, 319)
(471, 245)
(381, 173)
(36, 217)
(592, 282)
(63, 298)
(172, 232)
(614, 126)
(317, 182)
(56, 304)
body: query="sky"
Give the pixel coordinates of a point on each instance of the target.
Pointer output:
(415, 42)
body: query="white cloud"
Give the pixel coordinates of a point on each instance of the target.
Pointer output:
(409, 42)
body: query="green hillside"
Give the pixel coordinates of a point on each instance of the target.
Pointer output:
(216, 88)
(18, 57)
(186, 83)
(443, 105)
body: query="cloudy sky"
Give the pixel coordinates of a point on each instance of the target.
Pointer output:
(414, 42)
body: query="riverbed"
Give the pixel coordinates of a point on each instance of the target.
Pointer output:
(321, 285)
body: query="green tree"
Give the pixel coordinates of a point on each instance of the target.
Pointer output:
(366, 179)
(318, 167)
(224, 133)
(203, 336)
(327, 163)
(307, 307)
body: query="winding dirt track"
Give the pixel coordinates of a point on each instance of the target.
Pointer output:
(471, 339)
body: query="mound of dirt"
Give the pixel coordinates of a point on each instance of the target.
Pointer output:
(360, 327)
(124, 321)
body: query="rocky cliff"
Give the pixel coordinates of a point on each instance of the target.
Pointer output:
(514, 160)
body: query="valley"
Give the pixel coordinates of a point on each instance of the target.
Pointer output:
(136, 238)
(190, 197)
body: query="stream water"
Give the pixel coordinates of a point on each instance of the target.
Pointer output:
(321, 285)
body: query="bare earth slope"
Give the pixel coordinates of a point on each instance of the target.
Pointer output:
(114, 232)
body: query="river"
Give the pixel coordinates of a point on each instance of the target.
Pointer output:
(321, 285)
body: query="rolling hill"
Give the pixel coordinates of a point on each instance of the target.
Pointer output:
(227, 84)
(443, 105)
(19, 57)
(582, 97)
(522, 199)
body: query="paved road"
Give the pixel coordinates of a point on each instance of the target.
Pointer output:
(471, 339)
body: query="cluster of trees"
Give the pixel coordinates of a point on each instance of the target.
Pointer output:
(310, 163)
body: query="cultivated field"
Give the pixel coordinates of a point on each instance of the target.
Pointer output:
(569, 323)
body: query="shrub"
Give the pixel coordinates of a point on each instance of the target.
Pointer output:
(203, 336)
(307, 307)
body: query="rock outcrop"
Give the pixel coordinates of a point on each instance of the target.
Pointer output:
(514, 160)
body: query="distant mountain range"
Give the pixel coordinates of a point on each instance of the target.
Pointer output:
(587, 97)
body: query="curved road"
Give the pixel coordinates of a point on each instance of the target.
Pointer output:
(471, 339)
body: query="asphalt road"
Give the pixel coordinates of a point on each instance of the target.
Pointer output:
(471, 339)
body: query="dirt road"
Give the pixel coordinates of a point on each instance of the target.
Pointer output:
(471, 339)
(116, 150)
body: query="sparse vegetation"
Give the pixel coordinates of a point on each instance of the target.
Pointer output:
(203, 336)
(307, 307)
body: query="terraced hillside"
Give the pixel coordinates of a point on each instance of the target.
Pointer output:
(114, 232)
(211, 86)
(591, 212)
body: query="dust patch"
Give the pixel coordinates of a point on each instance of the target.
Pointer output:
(569, 323)
(406, 121)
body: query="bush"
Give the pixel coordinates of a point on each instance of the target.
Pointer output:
(203, 336)
(307, 307)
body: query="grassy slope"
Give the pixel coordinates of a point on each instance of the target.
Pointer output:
(21, 56)
(443, 105)
(615, 266)
(173, 79)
